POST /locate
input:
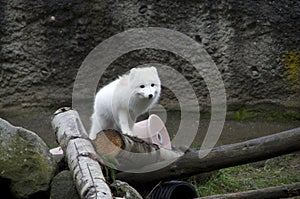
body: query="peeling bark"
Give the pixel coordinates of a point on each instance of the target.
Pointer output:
(79, 151)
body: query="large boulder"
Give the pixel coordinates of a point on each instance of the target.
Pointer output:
(25, 161)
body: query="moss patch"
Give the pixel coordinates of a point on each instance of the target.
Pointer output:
(267, 115)
(291, 60)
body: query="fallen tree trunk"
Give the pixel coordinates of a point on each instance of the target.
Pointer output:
(284, 191)
(127, 153)
(79, 151)
(220, 157)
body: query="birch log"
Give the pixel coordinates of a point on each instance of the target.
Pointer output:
(87, 173)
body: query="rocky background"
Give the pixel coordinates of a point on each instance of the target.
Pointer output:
(255, 45)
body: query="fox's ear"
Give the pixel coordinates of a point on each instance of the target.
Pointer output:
(153, 69)
(132, 72)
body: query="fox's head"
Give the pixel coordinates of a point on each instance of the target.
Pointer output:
(145, 82)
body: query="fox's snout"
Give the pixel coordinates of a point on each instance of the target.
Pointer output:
(147, 92)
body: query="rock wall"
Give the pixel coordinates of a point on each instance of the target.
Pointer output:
(255, 45)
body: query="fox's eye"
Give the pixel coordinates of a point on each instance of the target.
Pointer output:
(142, 86)
(152, 85)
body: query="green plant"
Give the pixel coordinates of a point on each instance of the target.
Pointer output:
(273, 172)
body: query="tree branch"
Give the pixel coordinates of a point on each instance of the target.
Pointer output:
(284, 191)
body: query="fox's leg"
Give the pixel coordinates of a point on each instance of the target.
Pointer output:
(100, 122)
(125, 122)
(95, 127)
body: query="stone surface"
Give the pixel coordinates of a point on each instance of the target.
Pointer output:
(255, 45)
(63, 187)
(25, 161)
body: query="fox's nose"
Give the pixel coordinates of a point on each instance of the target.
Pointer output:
(150, 96)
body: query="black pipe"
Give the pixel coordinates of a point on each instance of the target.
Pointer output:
(174, 190)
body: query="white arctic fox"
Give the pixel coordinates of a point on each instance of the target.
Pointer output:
(118, 104)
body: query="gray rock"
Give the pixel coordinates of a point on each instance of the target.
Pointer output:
(25, 160)
(63, 187)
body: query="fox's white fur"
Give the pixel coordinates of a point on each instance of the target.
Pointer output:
(118, 104)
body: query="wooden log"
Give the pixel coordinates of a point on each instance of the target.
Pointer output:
(127, 153)
(284, 191)
(79, 152)
(220, 157)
